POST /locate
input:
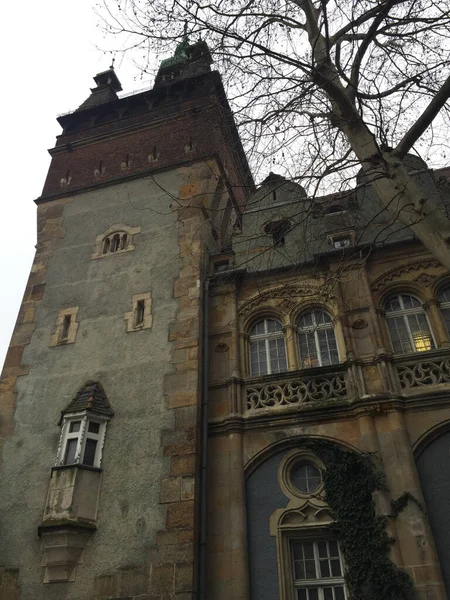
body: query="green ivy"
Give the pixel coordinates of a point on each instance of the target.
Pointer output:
(349, 481)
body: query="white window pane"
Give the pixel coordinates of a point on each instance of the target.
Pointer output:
(401, 343)
(328, 347)
(393, 304)
(410, 301)
(71, 450)
(89, 452)
(444, 295)
(273, 325)
(321, 317)
(305, 320)
(258, 358)
(308, 350)
(420, 332)
(74, 426)
(277, 355)
(93, 427)
(339, 593)
(446, 316)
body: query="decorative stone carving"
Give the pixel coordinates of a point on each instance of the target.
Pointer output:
(397, 272)
(425, 279)
(288, 295)
(424, 373)
(297, 391)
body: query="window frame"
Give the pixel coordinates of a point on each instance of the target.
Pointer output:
(315, 328)
(266, 337)
(82, 436)
(287, 582)
(444, 305)
(318, 582)
(404, 313)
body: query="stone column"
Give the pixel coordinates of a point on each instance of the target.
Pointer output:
(290, 347)
(437, 323)
(414, 535)
(369, 443)
(238, 520)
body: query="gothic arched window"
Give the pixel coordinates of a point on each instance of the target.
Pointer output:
(407, 324)
(316, 339)
(267, 348)
(444, 299)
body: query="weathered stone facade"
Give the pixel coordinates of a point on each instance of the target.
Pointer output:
(161, 315)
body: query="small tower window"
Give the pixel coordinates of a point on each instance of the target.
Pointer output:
(118, 238)
(66, 327)
(340, 241)
(115, 242)
(140, 313)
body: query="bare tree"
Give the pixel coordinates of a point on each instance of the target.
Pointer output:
(323, 86)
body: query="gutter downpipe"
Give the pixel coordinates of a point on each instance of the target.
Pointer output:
(204, 447)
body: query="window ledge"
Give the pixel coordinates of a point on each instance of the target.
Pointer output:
(76, 466)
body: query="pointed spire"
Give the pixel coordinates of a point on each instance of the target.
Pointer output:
(108, 85)
(91, 396)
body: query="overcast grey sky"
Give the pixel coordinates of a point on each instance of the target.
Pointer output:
(48, 59)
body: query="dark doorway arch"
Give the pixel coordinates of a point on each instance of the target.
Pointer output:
(433, 465)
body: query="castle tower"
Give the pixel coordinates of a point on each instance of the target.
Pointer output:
(100, 404)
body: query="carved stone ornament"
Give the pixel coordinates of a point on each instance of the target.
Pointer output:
(288, 294)
(424, 373)
(425, 279)
(321, 388)
(396, 272)
(309, 513)
(360, 324)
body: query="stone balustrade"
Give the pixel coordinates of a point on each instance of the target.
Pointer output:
(322, 385)
(423, 369)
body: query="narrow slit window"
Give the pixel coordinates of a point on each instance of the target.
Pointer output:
(115, 243)
(66, 327)
(140, 312)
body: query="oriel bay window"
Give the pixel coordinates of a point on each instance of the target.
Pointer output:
(407, 324)
(82, 438)
(267, 348)
(83, 427)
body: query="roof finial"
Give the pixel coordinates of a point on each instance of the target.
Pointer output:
(112, 63)
(185, 34)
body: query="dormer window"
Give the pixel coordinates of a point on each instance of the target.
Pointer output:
(278, 231)
(340, 241)
(334, 210)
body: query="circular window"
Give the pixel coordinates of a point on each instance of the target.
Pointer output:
(306, 477)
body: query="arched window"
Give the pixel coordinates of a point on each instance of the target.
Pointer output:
(316, 339)
(267, 348)
(407, 324)
(115, 242)
(444, 299)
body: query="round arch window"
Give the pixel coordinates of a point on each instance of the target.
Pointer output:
(306, 477)
(407, 324)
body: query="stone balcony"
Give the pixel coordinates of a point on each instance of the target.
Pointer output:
(430, 370)
(306, 388)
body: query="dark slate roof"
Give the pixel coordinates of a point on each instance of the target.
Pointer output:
(90, 397)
